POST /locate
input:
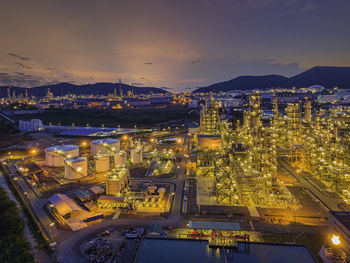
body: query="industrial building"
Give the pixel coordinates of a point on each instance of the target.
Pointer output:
(33, 125)
(63, 207)
(209, 117)
(317, 144)
(111, 202)
(66, 211)
(117, 182)
(245, 177)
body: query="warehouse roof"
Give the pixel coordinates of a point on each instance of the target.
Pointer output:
(96, 189)
(108, 141)
(63, 204)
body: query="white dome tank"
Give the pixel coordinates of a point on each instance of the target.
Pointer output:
(119, 159)
(136, 156)
(55, 155)
(105, 146)
(75, 168)
(102, 163)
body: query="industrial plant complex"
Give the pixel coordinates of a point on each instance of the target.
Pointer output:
(243, 167)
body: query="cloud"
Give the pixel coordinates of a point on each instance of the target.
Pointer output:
(195, 61)
(27, 76)
(23, 65)
(20, 79)
(148, 63)
(18, 56)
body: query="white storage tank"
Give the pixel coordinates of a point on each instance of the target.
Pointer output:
(55, 155)
(105, 146)
(119, 159)
(136, 155)
(102, 163)
(75, 168)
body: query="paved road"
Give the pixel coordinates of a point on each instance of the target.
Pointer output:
(330, 202)
(35, 202)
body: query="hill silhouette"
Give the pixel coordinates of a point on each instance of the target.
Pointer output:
(328, 77)
(64, 88)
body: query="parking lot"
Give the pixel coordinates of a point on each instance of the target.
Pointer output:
(113, 245)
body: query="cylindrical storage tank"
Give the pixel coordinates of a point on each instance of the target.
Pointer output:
(136, 155)
(75, 168)
(55, 155)
(105, 146)
(102, 163)
(119, 159)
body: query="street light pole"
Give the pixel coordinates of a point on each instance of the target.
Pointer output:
(26, 196)
(51, 225)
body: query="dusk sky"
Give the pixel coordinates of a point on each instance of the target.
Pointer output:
(178, 44)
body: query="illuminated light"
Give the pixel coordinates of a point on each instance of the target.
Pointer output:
(335, 239)
(79, 169)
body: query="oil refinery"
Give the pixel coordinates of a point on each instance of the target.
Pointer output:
(225, 176)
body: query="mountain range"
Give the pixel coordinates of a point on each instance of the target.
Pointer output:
(62, 89)
(328, 77)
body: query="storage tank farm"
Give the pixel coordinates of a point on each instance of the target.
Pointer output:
(120, 159)
(102, 163)
(75, 167)
(105, 146)
(55, 155)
